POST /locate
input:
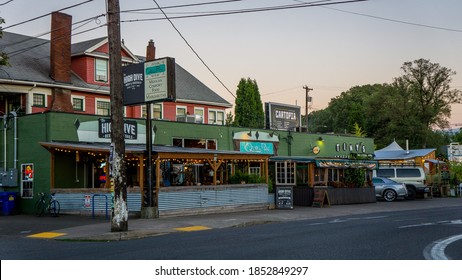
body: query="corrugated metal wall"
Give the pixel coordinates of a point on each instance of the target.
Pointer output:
(87, 204)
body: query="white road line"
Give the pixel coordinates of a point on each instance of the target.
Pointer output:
(435, 251)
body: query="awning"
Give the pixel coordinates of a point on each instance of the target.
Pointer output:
(161, 152)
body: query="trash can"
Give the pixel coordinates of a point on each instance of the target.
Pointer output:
(8, 202)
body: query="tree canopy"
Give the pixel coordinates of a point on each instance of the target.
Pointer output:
(3, 56)
(411, 107)
(248, 111)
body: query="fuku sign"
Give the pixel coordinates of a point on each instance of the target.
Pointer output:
(151, 81)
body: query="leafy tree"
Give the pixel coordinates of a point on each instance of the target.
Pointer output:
(3, 56)
(428, 86)
(358, 131)
(249, 108)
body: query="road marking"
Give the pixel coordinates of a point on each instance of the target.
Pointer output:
(47, 234)
(435, 251)
(192, 228)
(454, 222)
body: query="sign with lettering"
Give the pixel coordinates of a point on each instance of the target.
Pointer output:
(257, 147)
(130, 129)
(152, 81)
(284, 197)
(282, 117)
(321, 198)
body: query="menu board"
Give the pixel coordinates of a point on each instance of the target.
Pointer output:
(284, 197)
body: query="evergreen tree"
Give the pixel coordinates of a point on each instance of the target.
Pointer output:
(3, 57)
(249, 108)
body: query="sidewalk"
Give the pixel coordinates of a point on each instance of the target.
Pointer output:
(140, 228)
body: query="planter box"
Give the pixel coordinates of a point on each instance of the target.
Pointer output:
(303, 196)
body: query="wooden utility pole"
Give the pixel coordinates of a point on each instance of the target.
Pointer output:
(117, 172)
(307, 89)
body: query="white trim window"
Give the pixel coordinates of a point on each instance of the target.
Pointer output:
(39, 100)
(285, 173)
(216, 117)
(78, 103)
(198, 111)
(102, 107)
(101, 70)
(156, 111)
(181, 110)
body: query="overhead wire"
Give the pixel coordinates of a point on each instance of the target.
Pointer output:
(42, 16)
(250, 10)
(193, 50)
(6, 2)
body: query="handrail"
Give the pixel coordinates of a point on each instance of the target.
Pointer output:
(93, 205)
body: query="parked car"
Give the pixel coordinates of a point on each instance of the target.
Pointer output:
(413, 177)
(388, 189)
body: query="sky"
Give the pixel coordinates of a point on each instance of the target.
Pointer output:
(329, 48)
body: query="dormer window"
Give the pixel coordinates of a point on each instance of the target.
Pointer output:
(101, 70)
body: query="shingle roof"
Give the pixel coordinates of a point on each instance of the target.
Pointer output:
(29, 58)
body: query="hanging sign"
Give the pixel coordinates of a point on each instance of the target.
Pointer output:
(151, 81)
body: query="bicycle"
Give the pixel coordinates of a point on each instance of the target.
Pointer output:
(48, 203)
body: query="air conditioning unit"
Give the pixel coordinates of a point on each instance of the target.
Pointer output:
(189, 118)
(101, 78)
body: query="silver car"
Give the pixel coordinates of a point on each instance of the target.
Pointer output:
(388, 189)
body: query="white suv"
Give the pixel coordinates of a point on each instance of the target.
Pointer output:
(413, 177)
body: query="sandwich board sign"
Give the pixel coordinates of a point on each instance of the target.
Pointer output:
(151, 81)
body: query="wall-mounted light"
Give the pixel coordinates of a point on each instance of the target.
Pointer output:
(320, 139)
(256, 134)
(249, 133)
(271, 134)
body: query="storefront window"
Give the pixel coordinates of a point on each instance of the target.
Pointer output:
(285, 173)
(27, 180)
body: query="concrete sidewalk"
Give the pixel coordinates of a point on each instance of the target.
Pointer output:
(140, 228)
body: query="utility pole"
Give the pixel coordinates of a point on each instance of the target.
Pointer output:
(307, 89)
(117, 171)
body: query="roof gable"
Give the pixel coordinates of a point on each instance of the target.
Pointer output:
(30, 61)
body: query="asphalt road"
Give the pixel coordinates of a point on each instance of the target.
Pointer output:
(393, 235)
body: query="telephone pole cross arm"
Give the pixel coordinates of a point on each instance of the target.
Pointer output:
(307, 89)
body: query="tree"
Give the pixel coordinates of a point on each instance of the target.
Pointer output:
(358, 131)
(229, 119)
(428, 86)
(3, 56)
(249, 108)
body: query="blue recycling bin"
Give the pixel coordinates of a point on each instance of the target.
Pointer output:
(8, 202)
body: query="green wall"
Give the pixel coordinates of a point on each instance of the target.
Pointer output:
(56, 126)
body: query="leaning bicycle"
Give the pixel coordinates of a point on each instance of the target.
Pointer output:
(47, 203)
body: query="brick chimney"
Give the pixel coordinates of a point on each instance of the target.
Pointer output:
(60, 61)
(60, 47)
(150, 51)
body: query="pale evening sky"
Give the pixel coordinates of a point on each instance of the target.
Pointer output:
(329, 48)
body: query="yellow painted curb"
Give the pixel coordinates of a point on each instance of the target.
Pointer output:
(193, 228)
(46, 235)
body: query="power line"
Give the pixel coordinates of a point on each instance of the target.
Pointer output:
(42, 16)
(6, 2)
(396, 21)
(20, 51)
(181, 6)
(194, 51)
(252, 10)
